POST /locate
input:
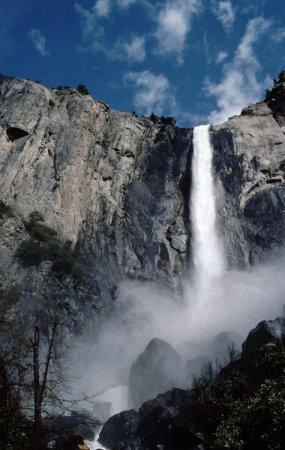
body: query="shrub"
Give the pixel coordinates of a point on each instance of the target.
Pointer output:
(82, 89)
(5, 210)
(36, 216)
(43, 246)
(242, 407)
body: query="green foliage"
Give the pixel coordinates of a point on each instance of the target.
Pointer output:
(10, 296)
(5, 210)
(243, 407)
(82, 89)
(43, 246)
(39, 231)
(36, 216)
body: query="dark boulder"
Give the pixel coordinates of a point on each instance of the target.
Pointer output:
(120, 430)
(266, 331)
(156, 370)
(164, 422)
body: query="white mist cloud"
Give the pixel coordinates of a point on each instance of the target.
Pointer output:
(235, 303)
(153, 92)
(225, 14)
(135, 50)
(38, 39)
(173, 25)
(239, 85)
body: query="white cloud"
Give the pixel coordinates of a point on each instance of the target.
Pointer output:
(89, 20)
(39, 41)
(154, 93)
(126, 3)
(221, 56)
(135, 50)
(278, 35)
(174, 23)
(239, 85)
(94, 30)
(225, 14)
(102, 8)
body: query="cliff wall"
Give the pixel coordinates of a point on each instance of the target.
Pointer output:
(115, 187)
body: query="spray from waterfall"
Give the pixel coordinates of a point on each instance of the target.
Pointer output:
(207, 249)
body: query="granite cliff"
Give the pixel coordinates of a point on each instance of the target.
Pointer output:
(115, 188)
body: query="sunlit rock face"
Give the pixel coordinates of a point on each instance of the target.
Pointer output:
(114, 185)
(117, 187)
(249, 160)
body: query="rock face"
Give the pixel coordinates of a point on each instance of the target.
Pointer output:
(120, 430)
(249, 160)
(184, 419)
(163, 422)
(115, 188)
(266, 331)
(156, 370)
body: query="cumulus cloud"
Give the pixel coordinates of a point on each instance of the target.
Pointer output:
(153, 92)
(221, 56)
(239, 84)
(225, 14)
(173, 25)
(102, 8)
(135, 50)
(38, 39)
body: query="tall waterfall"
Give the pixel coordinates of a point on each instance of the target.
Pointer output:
(207, 250)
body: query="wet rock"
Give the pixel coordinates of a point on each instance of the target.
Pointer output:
(266, 331)
(163, 422)
(156, 370)
(120, 430)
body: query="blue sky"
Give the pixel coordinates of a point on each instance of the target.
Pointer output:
(197, 60)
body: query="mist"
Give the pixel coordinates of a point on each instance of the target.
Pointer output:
(235, 302)
(214, 301)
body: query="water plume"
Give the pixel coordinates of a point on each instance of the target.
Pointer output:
(207, 249)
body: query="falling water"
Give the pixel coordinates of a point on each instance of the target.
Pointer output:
(207, 250)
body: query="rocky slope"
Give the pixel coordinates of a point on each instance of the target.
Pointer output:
(115, 187)
(240, 406)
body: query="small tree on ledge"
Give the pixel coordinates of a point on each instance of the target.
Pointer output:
(82, 89)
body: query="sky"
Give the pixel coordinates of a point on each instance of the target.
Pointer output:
(199, 61)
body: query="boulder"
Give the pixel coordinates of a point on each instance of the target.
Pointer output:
(266, 331)
(156, 370)
(120, 430)
(164, 422)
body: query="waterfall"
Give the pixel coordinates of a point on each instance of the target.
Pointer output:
(207, 250)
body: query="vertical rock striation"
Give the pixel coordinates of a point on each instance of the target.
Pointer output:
(250, 164)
